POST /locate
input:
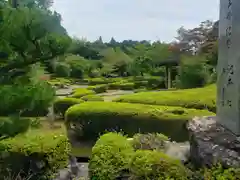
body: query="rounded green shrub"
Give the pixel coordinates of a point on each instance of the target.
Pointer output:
(146, 164)
(62, 104)
(80, 92)
(198, 98)
(95, 118)
(92, 98)
(110, 157)
(42, 154)
(99, 88)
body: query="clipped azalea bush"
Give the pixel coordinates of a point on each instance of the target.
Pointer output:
(94, 118)
(110, 157)
(62, 104)
(80, 92)
(197, 98)
(147, 164)
(40, 154)
(99, 88)
(101, 80)
(93, 97)
(122, 86)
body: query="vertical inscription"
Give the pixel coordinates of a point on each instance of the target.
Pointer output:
(229, 71)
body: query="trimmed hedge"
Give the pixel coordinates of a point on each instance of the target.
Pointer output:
(92, 98)
(122, 86)
(110, 157)
(95, 118)
(99, 88)
(62, 104)
(146, 164)
(41, 154)
(198, 98)
(80, 92)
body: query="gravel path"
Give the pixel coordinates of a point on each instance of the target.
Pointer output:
(65, 174)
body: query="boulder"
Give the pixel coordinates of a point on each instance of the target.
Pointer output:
(212, 143)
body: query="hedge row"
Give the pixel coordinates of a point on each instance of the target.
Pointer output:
(94, 118)
(40, 154)
(80, 92)
(112, 156)
(93, 97)
(199, 98)
(99, 88)
(129, 83)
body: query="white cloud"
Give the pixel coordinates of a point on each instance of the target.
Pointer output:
(133, 19)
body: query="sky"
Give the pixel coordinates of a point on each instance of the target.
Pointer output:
(133, 19)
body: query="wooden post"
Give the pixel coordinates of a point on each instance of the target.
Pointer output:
(169, 76)
(168, 79)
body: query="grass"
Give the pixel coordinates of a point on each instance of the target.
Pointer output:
(198, 98)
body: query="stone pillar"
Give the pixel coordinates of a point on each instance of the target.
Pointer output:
(51, 115)
(216, 139)
(228, 86)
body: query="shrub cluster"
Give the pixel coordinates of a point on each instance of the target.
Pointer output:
(130, 83)
(198, 98)
(95, 118)
(62, 104)
(40, 154)
(113, 156)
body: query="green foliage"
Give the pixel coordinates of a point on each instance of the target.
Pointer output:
(198, 98)
(94, 97)
(97, 81)
(150, 165)
(99, 88)
(219, 173)
(95, 118)
(192, 73)
(80, 92)
(62, 70)
(31, 99)
(62, 104)
(41, 154)
(122, 86)
(149, 141)
(11, 126)
(110, 157)
(38, 37)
